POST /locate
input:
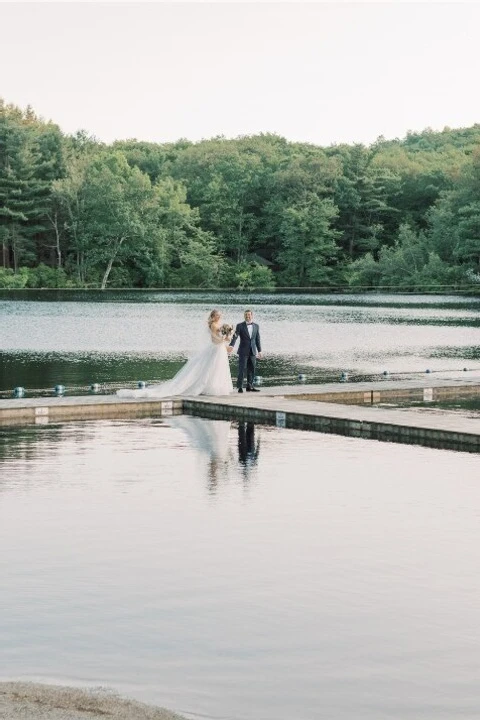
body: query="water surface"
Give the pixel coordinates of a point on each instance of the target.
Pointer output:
(232, 571)
(120, 338)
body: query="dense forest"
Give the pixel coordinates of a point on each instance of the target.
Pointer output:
(251, 212)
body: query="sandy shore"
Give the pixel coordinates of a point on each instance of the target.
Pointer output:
(31, 701)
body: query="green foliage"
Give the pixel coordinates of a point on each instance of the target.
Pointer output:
(31, 157)
(436, 274)
(443, 230)
(365, 192)
(248, 212)
(43, 276)
(249, 276)
(308, 243)
(102, 204)
(181, 253)
(223, 182)
(365, 272)
(121, 277)
(409, 265)
(9, 279)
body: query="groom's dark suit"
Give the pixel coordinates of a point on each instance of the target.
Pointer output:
(247, 351)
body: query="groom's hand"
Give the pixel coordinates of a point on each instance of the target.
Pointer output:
(260, 356)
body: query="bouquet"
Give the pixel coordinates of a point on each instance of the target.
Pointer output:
(226, 331)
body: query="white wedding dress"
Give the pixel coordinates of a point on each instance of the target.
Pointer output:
(206, 373)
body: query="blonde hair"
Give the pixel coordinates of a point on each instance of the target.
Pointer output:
(214, 315)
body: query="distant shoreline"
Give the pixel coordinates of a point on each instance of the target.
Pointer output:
(468, 291)
(35, 701)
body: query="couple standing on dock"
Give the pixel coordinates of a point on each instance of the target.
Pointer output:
(208, 372)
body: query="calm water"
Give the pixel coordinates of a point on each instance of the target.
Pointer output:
(238, 572)
(80, 338)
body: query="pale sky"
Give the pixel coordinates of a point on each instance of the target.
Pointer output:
(314, 72)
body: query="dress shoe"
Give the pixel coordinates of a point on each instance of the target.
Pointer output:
(252, 389)
(240, 389)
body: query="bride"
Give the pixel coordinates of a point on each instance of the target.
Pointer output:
(206, 373)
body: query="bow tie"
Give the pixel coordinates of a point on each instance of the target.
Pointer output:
(249, 324)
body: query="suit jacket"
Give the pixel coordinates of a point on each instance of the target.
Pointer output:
(248, 345)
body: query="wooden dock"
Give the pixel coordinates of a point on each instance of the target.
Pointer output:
(353, 409)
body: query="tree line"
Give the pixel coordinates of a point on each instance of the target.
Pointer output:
(250, 212)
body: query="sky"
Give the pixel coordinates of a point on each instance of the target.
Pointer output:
(318, 72)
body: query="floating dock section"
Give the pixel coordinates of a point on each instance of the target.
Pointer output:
(355, 410)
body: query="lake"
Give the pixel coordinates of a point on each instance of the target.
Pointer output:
(117, 338)
(238, 572)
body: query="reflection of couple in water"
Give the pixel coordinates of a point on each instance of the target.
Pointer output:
(247, 449)
(212, 437)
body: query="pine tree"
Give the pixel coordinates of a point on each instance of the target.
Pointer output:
(24, 189)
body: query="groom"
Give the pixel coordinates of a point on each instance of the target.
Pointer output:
(248, 350)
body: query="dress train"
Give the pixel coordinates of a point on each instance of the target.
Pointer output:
(206, 373)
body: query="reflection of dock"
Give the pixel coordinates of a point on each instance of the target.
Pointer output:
(340, 408)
